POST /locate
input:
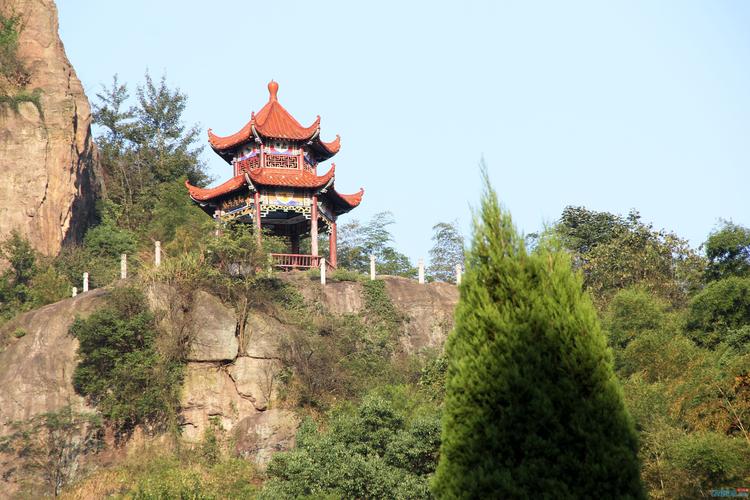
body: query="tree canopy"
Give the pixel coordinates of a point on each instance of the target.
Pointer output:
(532, 405)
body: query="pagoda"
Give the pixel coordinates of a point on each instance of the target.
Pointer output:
(275, 185)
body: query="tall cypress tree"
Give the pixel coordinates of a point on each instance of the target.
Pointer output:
(532, 405)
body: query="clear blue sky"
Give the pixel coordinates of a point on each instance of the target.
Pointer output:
(611, 105)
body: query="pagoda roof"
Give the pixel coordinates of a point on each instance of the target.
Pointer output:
(282, 178)
(273, 121)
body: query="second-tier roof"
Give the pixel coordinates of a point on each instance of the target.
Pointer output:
(275, 122)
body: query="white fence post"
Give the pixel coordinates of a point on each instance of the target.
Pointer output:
(322, 270)
(157, 253)
(372, 267)
(458, 274)
(123, 266)
(75, 291)
(421, 271)
(85, 282)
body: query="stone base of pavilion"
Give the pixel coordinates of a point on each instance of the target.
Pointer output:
(291, 261)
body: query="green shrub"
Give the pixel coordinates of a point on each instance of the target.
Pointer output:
(10, 66)
(386, 447)
(721, 306)
(632, 311)
(120, 369)
(532, 405)
(19, 333)
(710, 460)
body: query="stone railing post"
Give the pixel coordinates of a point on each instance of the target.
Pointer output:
(322, 270)
(85, 282)
(75, 291)
(372, 267)
(421, 271)
(458, 274)
(157, 253)
(123, 266)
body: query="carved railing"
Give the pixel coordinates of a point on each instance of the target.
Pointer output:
(246, 164)
(281, 161)
(297, 261)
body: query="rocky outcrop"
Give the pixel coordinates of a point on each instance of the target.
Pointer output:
(47, 155)
(37, 362)
(262, 434)
(226, 381)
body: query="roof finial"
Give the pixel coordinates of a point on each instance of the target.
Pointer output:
(273, 89)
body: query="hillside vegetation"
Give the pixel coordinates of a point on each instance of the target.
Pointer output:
(668, 359)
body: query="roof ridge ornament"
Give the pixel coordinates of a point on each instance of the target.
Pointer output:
(273, 91)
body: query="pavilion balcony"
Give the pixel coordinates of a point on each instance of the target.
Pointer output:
(290, 261)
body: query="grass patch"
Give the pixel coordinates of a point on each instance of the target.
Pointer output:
(14, 101)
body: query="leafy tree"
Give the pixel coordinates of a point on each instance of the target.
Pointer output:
(620, 252)
(120, 369)
(728, 251)
(631, 312)
(144, 145)
(357, 242)
(447, 251)
(532, 406)
(21, 256)
(380, 449)
(721, 306)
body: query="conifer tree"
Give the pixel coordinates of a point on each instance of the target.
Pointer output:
(532, 405)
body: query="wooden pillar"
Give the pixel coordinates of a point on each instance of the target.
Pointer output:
(314, 226)
(294, 243)
(257, 217)
(332, 245)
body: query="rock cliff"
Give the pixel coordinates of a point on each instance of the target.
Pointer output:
(47, 155)
(224, 380)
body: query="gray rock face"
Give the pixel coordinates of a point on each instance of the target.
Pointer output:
(48, 159)
(259, 436)
(213, 327)
(210, 325)
(36, 370)
(255, 379)
(429, 309)
(209, 392)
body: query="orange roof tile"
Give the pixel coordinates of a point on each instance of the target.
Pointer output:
(352, 199)
(205, 194)
(274, 122)
(265, 177)
(292, 178)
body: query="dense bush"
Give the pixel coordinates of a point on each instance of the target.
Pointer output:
(120, 369)
(386, 447)
(721, 306)
(532, 405)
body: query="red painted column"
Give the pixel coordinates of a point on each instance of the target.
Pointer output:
(257, 216)
(332, 245)
(314, 225)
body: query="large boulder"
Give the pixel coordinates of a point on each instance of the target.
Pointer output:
(209, 392)
(255, 379)
(259, 436)
(39, 357)
(210, 325)
(213, 330)
(47, 155)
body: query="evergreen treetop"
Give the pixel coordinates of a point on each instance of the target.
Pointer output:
(532, 405)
